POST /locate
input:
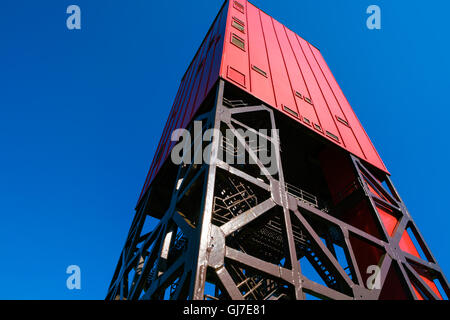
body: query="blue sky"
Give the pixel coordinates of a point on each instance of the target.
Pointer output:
(81, 113)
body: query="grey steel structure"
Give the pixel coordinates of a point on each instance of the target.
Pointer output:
(231, 231)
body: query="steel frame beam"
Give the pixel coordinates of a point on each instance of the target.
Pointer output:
(166, 264)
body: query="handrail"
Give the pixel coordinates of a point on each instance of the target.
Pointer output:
(302, 195)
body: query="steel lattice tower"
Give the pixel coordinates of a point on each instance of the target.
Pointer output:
(231, 230)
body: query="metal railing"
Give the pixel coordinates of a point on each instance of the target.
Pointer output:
(302, 195)
(235, 149)
(234, 103)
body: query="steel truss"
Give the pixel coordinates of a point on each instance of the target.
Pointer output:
(235, 232)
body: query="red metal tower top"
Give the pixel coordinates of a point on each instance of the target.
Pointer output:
(274, 64)
(250, 49)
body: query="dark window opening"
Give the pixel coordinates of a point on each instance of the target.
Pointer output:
(239, 6)
(343, 121)
(238, 42)
(290, 111)
(238, 26)
(262, 72)
(319, 128)
(332, 136)
(308, 100)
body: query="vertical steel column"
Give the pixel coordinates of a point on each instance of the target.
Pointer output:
(201, 260)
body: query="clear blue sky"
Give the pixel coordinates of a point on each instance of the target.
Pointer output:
(81, 113)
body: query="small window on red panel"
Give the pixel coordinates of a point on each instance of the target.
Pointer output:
(318, 128)
(344, 122)
(259, 70)
(238, 41)
(236, 76)
(308, 100)
(239, 6)
(290, 111)
(332, 136)
(238, 24)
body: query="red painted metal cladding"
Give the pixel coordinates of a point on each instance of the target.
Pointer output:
(280, 68)
(198, 80)
(253, 51)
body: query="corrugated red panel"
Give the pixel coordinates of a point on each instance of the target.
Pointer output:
(252, 50)
(280, 68)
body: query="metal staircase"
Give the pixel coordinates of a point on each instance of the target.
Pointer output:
(233, 199)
